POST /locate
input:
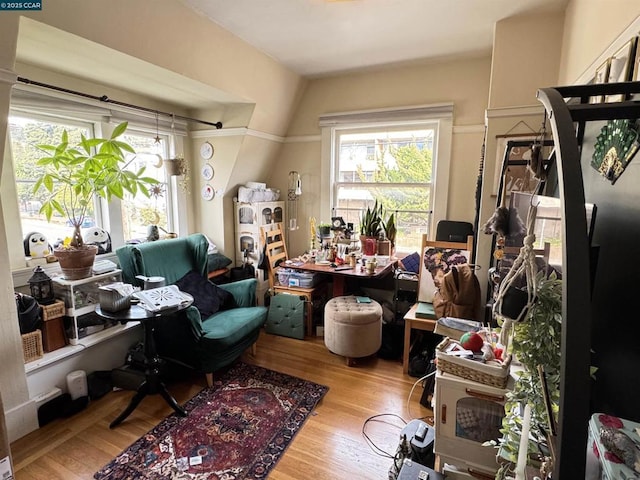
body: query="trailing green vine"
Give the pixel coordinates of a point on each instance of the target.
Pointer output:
(536, 341)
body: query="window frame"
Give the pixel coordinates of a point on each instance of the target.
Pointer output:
(107, 215)
(412, 117)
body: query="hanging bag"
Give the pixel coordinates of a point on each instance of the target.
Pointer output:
(29, 313)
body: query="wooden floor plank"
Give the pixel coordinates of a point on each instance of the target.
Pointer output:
(330, 445)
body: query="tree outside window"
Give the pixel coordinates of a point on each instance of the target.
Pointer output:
(392, 166)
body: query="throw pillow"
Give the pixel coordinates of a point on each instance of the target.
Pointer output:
(217, 261)
(207, 297)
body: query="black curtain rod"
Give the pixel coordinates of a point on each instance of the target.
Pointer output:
(106, 99)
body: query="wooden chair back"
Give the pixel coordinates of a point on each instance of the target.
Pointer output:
(275, 249)
(543, 252)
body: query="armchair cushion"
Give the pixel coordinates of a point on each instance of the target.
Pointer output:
(207, 297)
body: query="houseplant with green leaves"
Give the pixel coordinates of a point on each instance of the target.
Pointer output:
(371, 225)
(74, 174)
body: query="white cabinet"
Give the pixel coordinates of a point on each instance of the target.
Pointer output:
(249, 217)
(80, 298)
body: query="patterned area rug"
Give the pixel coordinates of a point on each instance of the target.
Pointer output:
(237, 429)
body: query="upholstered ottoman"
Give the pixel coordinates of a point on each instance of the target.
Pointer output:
(352, 329)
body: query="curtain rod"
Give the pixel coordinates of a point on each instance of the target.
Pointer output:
(106, 99)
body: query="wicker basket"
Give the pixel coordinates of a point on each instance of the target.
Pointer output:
(55, 310)
(485, 373)
(32, 346)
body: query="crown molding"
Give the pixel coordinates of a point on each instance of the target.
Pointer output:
(236, 132)
(521, 111)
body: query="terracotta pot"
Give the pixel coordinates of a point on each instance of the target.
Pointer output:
(76, 263)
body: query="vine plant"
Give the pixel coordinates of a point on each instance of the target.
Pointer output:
(536, 341)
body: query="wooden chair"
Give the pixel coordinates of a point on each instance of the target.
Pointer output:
(543, 252)
(464, 246)
(276, 252)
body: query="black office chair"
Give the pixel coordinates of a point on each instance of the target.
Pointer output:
(453, 231)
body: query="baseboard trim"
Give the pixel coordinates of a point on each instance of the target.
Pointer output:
(21, 420)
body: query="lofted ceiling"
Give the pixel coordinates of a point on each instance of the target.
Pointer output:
(321, 37)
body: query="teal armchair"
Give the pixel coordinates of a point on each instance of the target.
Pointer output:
(205, 344)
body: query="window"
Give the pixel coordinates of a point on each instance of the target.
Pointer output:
(398, 157)
(129, 219)
(392, 166)
(140, 211)
(26, 134)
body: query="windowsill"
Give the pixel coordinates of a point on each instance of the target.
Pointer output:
(60, 354)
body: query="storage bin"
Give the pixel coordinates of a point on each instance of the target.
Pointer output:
(55, 310)
(610, 465)
(283, 276)
(304, 279)
(490, 373)
(32, 346)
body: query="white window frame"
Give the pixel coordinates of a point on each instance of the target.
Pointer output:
(411, 117)
(101, 121)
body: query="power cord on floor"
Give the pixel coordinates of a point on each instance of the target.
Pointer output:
(413, 388)
(374, 418)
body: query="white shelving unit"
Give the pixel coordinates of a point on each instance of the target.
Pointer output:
(80, 298)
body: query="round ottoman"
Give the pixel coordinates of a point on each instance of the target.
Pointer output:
(352, 329)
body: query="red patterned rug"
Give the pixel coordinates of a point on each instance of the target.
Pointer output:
(237, 429)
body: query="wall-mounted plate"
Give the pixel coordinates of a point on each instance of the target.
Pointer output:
(207, 171)
(207, 192)
(206, 150)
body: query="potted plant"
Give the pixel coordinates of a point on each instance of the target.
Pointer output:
(73, 175)
(324, 230)
(390, 230)
(536, 342)
(370, 227)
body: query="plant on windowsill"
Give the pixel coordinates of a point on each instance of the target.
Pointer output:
(390, 231)
(73, 175)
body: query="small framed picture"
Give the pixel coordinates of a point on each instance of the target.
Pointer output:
(636, 62)
(516, 177)
(620, 65)
(602, 75)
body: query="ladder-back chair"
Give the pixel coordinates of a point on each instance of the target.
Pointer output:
(276, 253)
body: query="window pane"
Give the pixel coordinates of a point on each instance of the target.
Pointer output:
(411, 205)
(403, 156)
(26, 134)
(392, 166)
(140, 211)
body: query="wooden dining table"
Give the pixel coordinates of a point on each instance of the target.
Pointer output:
(340, 273)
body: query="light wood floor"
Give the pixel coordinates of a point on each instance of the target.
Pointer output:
(330, 445)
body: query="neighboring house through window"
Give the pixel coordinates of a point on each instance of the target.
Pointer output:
(399, 158)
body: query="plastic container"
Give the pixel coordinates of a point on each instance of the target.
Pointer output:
(610, 466)
(283, 276)
(303, 279)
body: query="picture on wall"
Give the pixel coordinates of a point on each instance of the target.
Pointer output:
(620, 66)
(636, 62)
(602, 75)
(517, 177)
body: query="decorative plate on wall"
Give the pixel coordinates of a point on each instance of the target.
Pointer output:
(207, 172)
(207, 192)
(206, 150)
